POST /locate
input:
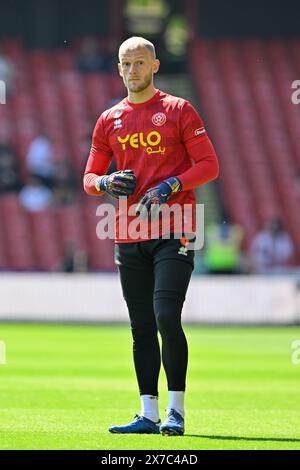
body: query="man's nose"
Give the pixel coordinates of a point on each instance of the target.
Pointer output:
(132, 68)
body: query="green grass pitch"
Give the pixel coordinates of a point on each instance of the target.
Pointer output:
(64, 385)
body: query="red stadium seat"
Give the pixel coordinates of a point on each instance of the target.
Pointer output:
(101, 251)
(71, 228)
(45, 239)
(244, 88)
(245, 91)
(16, 233)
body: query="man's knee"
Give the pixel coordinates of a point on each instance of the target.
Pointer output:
(168, 315)
(143, 333)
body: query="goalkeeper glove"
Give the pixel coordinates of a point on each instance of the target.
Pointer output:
(158, 195)
(119, 183)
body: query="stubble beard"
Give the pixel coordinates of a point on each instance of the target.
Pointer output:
(138, 87)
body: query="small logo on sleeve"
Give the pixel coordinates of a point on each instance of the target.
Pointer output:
(159, 119)
(200, 131)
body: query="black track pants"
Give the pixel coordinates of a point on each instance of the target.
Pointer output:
(155, 275)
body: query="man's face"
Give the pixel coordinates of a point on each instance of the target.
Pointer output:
(137, 68)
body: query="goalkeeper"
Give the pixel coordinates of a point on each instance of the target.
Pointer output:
(162, 154)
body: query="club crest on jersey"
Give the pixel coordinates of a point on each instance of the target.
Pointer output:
(159, 119)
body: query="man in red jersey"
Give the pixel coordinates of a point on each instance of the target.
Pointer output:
(162, 154)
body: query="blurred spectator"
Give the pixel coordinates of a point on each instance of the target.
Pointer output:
(6, 73)
(35, 196)
(74, 260)
(223, 248)
(271, 249)
(5, 148)
(64, 184)
(176, 36)
(91, 58)
(146, 17)
(40, 159)
(111, 60)
(9, 175)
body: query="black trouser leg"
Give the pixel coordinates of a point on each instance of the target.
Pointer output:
(171, 282)
(138, 286)
(155, 277)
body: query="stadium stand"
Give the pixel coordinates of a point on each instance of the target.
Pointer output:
(17, 235)
(244, 88)
(245, 91)
(52, 95)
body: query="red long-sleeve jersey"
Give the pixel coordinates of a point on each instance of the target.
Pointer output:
(159, 138)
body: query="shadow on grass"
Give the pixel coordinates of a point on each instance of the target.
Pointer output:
(240, 438)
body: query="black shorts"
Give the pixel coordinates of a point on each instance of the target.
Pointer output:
(145, 255)
(153, 269)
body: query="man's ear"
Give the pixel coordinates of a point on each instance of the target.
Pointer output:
(156, 65)
(120, 70)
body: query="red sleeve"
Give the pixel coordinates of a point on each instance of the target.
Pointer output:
(199, 149)
(98, 161)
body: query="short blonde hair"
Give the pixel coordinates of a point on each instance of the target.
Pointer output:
(136, 42)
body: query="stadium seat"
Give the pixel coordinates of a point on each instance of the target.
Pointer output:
(16, 234)
(245, 91)
(45, 239)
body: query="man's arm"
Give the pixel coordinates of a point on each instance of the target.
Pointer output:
(199, 149)
(98, 161)
(206, 167)
(97, 165)
(119, 183)
(95, 180)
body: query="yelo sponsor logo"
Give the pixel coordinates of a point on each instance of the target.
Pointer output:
(135, 140)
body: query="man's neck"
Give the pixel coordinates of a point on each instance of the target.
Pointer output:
(141, 96)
